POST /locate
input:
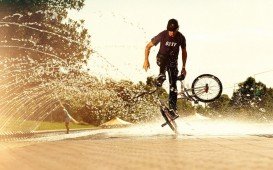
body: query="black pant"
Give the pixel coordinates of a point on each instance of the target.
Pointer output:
(169, 64)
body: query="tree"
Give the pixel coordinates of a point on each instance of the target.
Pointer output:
(252, 99)
(185, 107)
(40, 48)
(42, 30)
(221, 106)
(249, 94)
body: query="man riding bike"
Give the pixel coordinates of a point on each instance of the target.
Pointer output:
(167, 59)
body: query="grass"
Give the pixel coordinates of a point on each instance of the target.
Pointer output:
(60, 125)
(15, 125)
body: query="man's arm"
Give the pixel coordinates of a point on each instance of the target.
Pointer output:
(184, 60)
(146, 64)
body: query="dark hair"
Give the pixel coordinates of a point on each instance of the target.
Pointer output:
(172, 25)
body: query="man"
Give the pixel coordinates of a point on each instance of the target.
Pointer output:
(167, 59)
(67, 118)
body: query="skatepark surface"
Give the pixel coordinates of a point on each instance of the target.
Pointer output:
(211, 145)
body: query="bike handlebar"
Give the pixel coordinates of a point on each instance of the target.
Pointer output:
(181, 77)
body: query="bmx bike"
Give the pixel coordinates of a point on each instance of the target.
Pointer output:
(205, 88)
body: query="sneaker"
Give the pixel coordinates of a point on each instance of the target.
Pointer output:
(174, 114)
(160, 79)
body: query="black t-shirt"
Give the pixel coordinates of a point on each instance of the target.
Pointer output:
(169, 45)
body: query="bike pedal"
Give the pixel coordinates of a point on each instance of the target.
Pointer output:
(164, 124)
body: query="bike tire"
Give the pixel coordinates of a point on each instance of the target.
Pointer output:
(171, 123)
(206, 88)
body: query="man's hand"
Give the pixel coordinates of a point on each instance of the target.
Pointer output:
(146, 64)
(183, 71)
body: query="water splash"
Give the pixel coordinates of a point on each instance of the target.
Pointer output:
(191, 127)
(33, 81)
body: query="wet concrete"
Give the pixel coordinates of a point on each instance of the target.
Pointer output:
(140, 147)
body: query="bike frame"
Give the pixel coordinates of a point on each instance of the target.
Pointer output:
(185, 93)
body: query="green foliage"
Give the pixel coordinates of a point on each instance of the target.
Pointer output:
(43, 32)
(219, 107)
(250, 95)
(34, 4)
(39, 40)
(252, 100)
(39, 48)
(185, 107)
(101, 101)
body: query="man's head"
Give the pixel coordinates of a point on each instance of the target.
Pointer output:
(172, 27)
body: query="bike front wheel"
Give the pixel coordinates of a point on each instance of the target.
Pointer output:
(206, 88)
(166, 115)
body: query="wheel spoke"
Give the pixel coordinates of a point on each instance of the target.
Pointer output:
(213, 85)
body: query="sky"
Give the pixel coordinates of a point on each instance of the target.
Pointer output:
(232, 39)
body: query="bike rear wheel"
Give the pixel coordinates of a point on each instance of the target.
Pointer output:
(206, 88)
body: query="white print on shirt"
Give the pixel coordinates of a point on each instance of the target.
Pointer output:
(173, 44)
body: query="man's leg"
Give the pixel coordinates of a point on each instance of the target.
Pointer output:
(161, 62)
(173, 72)
(67, 127)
